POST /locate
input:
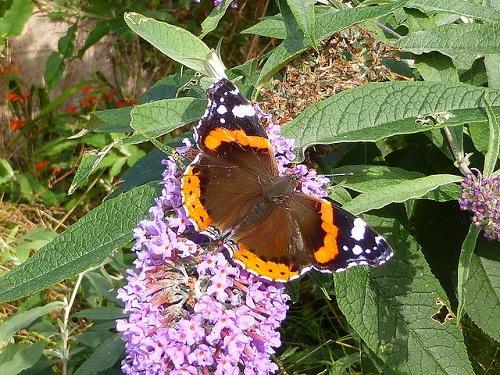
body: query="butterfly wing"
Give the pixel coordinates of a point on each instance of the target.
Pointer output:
(307, 232)
(336, 239)
(271, 243)
(225, 179)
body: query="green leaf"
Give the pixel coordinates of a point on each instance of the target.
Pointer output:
(17, 357)
(392, 309)
(418, 21)
(491, 157)
(327, 23)
(436, 67)
(147, 169)
(163, 116)
(437, 137)
(378, 110)
(100, 29)
(269, 27)
(492, 62)
(96, 287)
(303, 12)
(84, 245)
(6, 171)
(22, 320)
(101, 313)
(210, 23)
(170, 87)
(66, 45)
(397, 193)
(13, 21)
(482, 292)
(54, 69)
(462, 42)
(33, 240)
(104, 356)
(367, 178)
(462, 8)
(89, 163)
(464, 265)
(115, 120)
(479, 134)
(175, 42)
(364, 178)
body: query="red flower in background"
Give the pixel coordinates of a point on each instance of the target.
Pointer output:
(13, 97)
(17, 124)
(72, 109)
(120, 103)
(55, 170)
(89, 101)
(41, 165)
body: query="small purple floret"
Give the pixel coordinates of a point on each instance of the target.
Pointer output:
(481, 196)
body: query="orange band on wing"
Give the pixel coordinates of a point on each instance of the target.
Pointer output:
(191, 192)
(215, 138)
(267, 269)
(329, 250)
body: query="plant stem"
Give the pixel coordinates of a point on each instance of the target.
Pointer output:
(65, 330)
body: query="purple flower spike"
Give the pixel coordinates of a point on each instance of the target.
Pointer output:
(481, 196)
(192, 311)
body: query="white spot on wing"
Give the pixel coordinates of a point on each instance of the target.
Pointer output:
(244, 110)
(221, 109)
(357, 250)
(358, 230)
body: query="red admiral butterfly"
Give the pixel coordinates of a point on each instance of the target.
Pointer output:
(232, 192)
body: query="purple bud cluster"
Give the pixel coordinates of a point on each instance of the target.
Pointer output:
(481, 196)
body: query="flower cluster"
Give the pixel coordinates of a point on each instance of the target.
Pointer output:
(98, 98)
(481, 196)
(191, 311)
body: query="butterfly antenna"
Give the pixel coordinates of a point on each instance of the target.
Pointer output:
(214, 66)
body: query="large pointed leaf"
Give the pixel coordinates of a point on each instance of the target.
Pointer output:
(15, 17)
(175, 42)
(462, 42)
(104, 356)
(210, 23)
(392, 310)
(85, 244)
(163, 116)
(378, 110)
(464, 266)
(463, 8)
(303, 11)
(398, 192)
(269, 27)
(482, 290)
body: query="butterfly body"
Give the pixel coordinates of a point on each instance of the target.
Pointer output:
(232, 191)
